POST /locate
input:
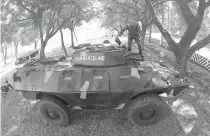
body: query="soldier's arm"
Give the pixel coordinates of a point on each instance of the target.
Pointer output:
(123, 30)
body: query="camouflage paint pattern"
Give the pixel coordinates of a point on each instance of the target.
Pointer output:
(133, 34)
(89, 86)
(94, 87)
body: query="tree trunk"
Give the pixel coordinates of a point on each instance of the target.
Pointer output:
(182, 58)
(16, 50)
(143, 34)
(62, 43)
(3, 54)
(118, 31)
(35, 45)
(42, 53)
(181, 50)
(5, 50)
(72, 38)
(75, 36)
(169, 26)
(163, 20)
(150, 34)
(43, 42)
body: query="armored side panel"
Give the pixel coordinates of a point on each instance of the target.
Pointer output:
(29, 78)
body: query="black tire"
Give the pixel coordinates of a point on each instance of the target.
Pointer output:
(146, 110)
(54, 111)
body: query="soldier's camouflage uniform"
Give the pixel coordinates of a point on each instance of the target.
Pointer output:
(133, 34)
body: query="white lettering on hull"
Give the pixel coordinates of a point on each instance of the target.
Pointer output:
(94, 58)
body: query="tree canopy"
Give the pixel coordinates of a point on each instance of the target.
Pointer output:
(43, 18)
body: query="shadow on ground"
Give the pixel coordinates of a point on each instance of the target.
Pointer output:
(189, 116)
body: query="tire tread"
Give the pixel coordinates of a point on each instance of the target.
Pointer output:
(59, 103)
(141, 99)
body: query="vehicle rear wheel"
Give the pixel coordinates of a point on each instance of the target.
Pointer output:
(54, 111)
(146, 110)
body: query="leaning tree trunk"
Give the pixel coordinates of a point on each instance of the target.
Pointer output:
(62, 43)
(163, 21)
(150, 34)
(72, 38)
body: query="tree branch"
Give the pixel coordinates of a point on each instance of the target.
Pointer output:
(123, 4)
(50, 24)
(165, 33)
(199, 44)
(200, 12)
(29, 10)
(23, 19)
(159, 3)
(207, 4)
(187, 14)
(59, 27)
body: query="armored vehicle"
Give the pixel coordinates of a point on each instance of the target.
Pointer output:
(97, 77)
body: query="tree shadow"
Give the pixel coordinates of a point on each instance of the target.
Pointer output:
(193, 113)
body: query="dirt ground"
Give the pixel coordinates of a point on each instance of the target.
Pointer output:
(189, 114)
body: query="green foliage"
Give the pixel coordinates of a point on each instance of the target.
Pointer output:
(49, 16)
(13, 24)
(114, 16)
(83, 11)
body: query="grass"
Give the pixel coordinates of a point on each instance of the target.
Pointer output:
(20, 117)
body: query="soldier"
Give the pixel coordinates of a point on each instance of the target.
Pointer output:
(133, 34)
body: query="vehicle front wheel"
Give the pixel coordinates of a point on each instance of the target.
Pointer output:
(54, 111)
(146, 110)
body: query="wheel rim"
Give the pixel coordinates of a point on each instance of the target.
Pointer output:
(52, 114)
(148, 114)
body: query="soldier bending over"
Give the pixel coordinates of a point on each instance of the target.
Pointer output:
(133, 34)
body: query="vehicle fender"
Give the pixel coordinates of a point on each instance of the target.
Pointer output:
(171, 91)
(29, 95)
(39, 95)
